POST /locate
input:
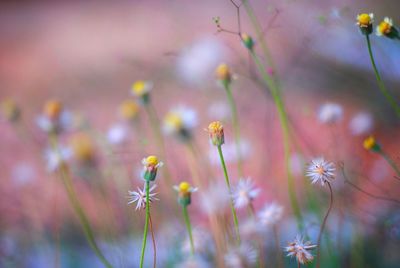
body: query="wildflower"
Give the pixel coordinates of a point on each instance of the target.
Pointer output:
(243, 256)
(386, 28)
(244, 193)
(270, 214)
(214, 200)
(300, 249)
(364, 22)
(248, 42)
(54, 118)
(180, 121)
(82, 147)
(10, 110)
(141, 90)
(223, 74)
(151, 165)
(216, 132)
(57, 157)
(330, 113)
(140, 197)
(117, 134)
(128, 110)
(194, 262)
(370, 144)
(321, 171)
(361, 123)
(203, 242)
(185, 191)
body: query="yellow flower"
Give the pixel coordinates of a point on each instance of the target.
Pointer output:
(52, 109)
(150, 161)
(173, 121)
(386, 28)
(128, 109)
(223, 73)
(371, 144)
(151, 165)
(365, 20)
(83, 147)
(141, 88)
(185, 191)
(216, 132)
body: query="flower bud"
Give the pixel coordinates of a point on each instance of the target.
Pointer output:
(216, 132)
(364, 21)
(151, 165)
(370, 144)
(223, 74)
(247, 41)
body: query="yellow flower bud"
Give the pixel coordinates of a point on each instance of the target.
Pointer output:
(223, 73)
(128, 110)
(53, 109)
(83, 147)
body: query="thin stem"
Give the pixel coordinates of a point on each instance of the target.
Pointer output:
(381, 85)
(72, 196)
(236, 128)
(323, 226)
(390, 162)
(188, 227)
(146, 224)
(235, 219)
(154, 242)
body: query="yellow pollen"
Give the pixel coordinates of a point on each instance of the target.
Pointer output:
(174, 120)
(222, 72)
(151, 161)
(384, 27)
(53, 108)
(139, 88)
(320, 170)
(364, 20)
(128, 109)
(184, 187)
(369, 143)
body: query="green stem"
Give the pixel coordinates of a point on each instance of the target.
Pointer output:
(146, 224)
(235, 219)
(78, 207)
(381, 85)
(283, 118)
(235, 123)
(391, 162)
(188, 227)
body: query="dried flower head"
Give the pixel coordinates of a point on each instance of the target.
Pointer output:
(370, 144)
(185, 191)
(244, 193)
(140, 197)
(300, 249)
(151, 165)
(128, 110)
(364, 22)
(386, 28)
(216, 132)
(270, 214)
(321, 171)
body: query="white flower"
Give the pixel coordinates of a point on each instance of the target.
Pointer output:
(140, 196)
(330, 113)
(300, 249)
(244, 193)
(62, 123)
(215, 199)
(117, 134)
(180, 119)
(202, 241)
(243, 256)
(194, 262)
(270, 214)
(361, 123)
(54, 158)
(384, 27)
(321, 171)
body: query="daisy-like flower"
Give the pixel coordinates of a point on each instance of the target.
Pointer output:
(243, 256)
(386, 28)
(185, 191)
(361, 123)
(364, 22)
(300, 250)
(270, 214)
(330, 113)
(54, 118)
(56, 158)
(370, 144)
(216, 131)
(151, 165)
(180, 121)
(117, 134)
(321, 171)
(141, 90)
(244, 193)
(140, 197)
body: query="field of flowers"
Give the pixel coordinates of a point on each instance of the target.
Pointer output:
(231, 133)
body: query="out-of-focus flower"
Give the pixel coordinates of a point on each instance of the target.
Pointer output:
(223, 74)
(197, 62)
(244, 193)
(54, 118)
(57, 157)
(194, 262)
(270, 214)
(140, 197)
(364, 22)
(117, 134)
(151, 165)
(330, 113)
(83, 147)
(10, 110)
(361, 123)
(128, 110)
(180, 121)
(386, 28)
(300, 250)
(214, 199)
(23, 173)
(240, 257)
(321, 171)
(185, 191)
(248, 42)
(141, 89)
(370, 144)
(219, 109)
(202, 240)
(216, 132)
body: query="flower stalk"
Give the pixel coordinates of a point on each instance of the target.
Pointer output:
(146, 223)
(188, 227)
